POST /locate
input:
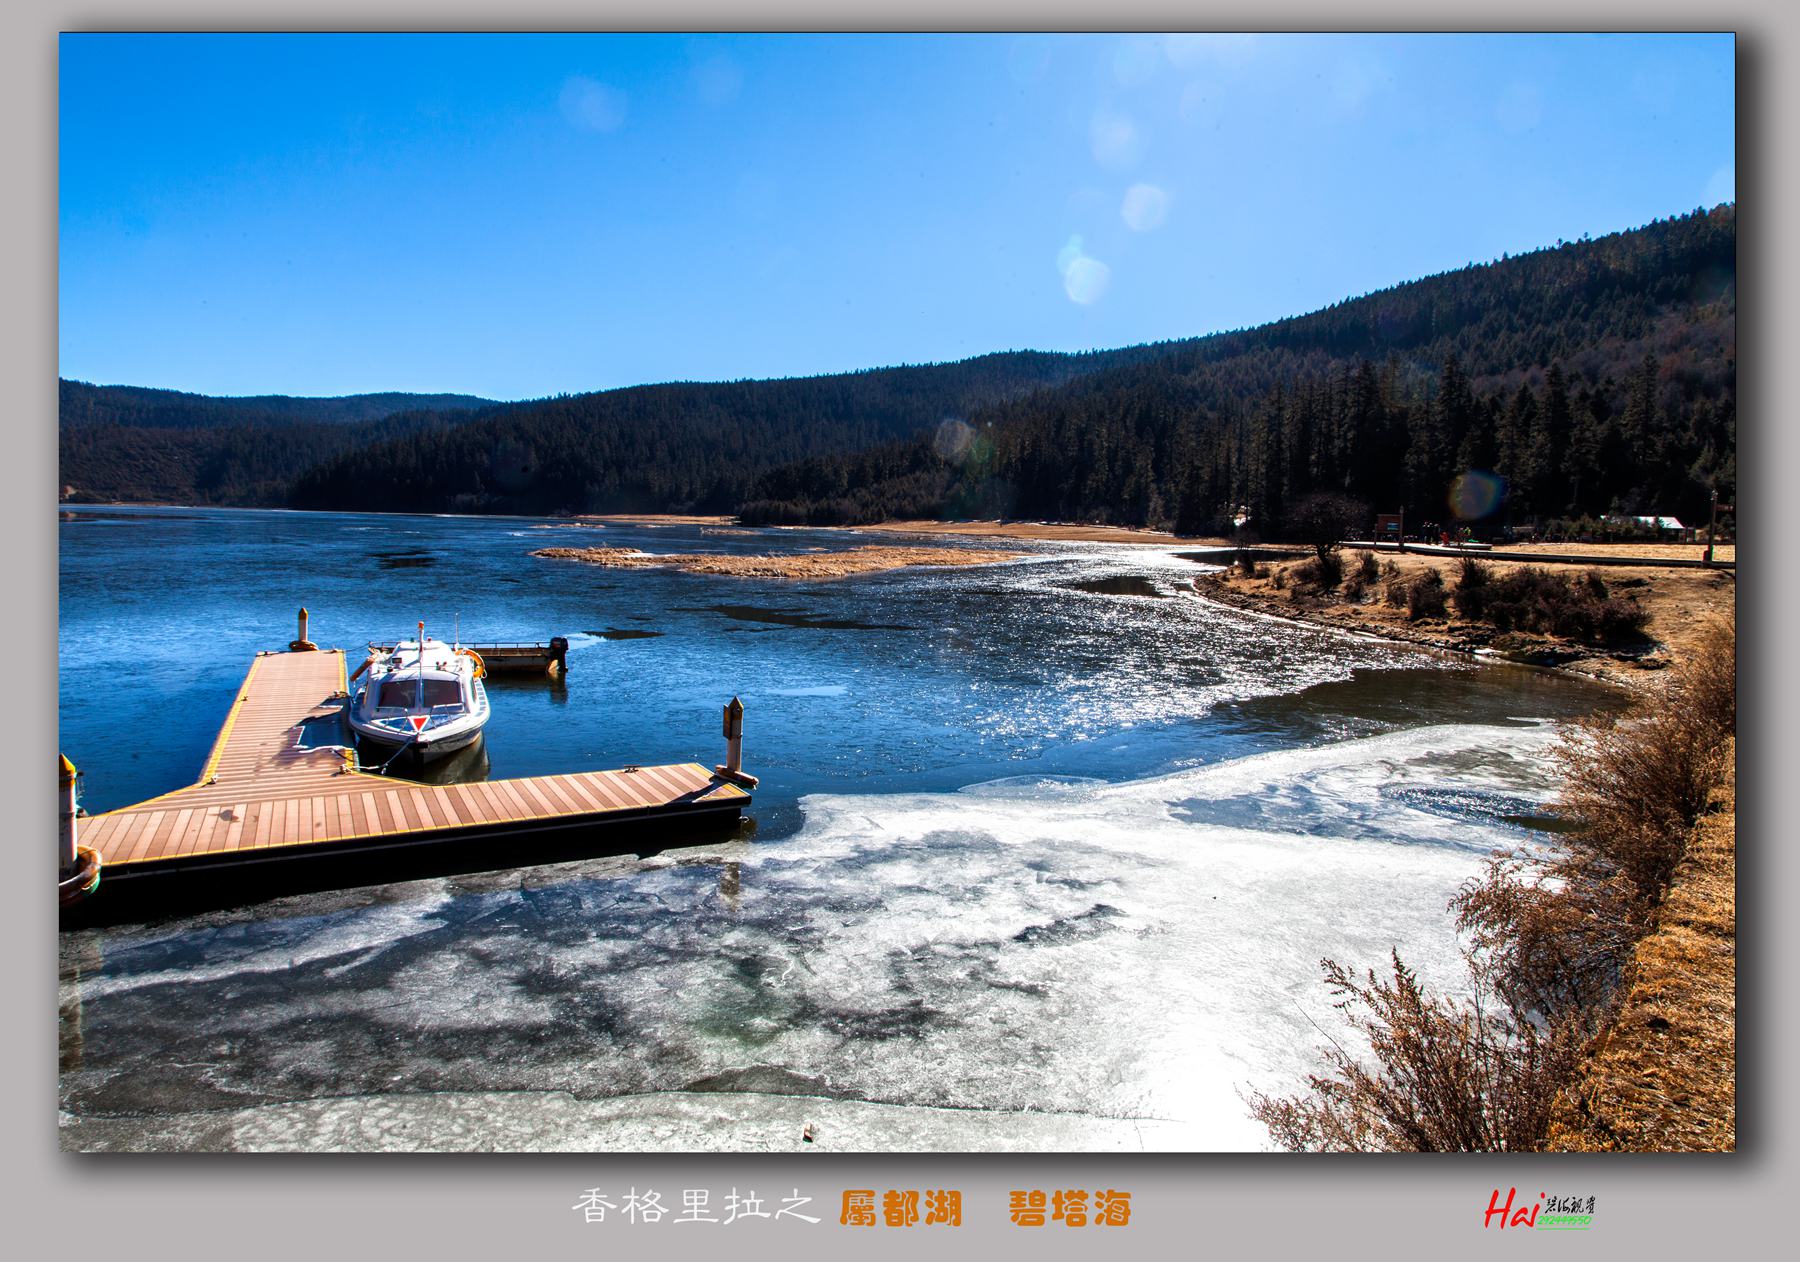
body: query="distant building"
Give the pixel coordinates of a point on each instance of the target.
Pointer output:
(1660, 523)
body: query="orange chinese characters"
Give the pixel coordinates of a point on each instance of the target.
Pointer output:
(1027, 1208)
(1071, 1207)
(943, 1206)
(1112, 1208)
(900, 1209)
(859, 1208)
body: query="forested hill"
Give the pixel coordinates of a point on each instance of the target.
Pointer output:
(135, 443)
(82, 404)
(685, 447)
(1594, 376)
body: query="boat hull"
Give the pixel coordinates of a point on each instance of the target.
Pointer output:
(425, 749)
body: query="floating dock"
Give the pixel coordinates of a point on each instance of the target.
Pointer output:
(281, 786)
(527, 658)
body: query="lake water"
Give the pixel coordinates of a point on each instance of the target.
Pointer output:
(1046, 853)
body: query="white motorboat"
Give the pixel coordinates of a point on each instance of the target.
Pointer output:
(423, 698)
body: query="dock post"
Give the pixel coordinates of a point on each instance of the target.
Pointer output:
(65, 800)
(301, 644)
(733, 770)
(1712, 524)
(77, 866)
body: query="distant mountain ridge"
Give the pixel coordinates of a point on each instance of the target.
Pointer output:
(81, 403)
(674, 447)
(1592, 375)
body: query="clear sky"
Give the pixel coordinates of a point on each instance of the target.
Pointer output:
(516, 216)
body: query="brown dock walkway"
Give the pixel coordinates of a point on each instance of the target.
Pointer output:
(280, 784)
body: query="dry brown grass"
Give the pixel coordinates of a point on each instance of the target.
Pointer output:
(1661, 551)
(1638, 784)
(1624, 941)
(811, 565)
(1664, 1079)
(1074, 532)
(1678, 606)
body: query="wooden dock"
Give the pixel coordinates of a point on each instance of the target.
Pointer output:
(281, 784)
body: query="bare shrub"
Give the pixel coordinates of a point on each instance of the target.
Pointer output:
(1472, 588)
(1636, 786)
(1277, 577)
(1321, 572)
(1425, 596)
(1369, 571)
(1550, 941)
(1533, 599)
(1396, 591)
(1557, 931)
(1445, 1076)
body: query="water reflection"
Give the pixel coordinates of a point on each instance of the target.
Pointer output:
(464, 766)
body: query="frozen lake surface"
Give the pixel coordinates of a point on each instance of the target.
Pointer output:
(1047, 852)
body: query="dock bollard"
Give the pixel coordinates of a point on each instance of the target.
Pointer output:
(733, 770)
(65, 801)
(301, 644)
(78, 866)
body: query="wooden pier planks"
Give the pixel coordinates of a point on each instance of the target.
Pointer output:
(273, 781)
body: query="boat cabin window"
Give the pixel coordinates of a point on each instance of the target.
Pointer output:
(403, 694)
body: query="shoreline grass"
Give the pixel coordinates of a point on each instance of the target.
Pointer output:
(1603, 1011)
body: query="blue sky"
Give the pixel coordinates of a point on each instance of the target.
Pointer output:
(516, 216)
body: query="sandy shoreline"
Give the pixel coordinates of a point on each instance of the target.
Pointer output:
(869, 559)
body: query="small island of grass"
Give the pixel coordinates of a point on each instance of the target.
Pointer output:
(812, 565)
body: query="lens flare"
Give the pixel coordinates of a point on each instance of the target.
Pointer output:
(1116, 140)
(951, 442)
(1476, 494)
(591, 105)
(1084, 278)
(1144, 208)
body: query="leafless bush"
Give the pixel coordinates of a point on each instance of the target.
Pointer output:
(1472, 588)
(1636, 786)
(1445, 1076)
(1534, 599)
(1550, 941)
(1320, 572)
(1425, 596)
(1556, 931)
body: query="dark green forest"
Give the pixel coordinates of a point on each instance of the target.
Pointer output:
(1593, 376)
(672, 448)
(1596, 376)
(135, 443)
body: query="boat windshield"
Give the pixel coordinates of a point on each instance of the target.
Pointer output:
(403, 694)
